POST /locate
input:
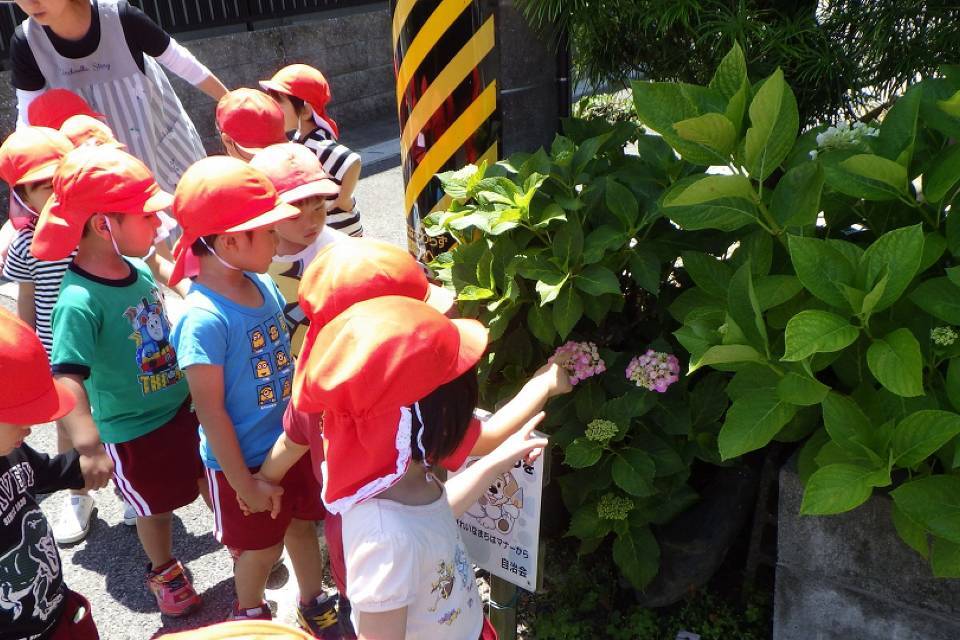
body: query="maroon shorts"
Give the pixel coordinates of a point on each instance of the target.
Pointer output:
(158, 472)
(76, 621)
(301, 500)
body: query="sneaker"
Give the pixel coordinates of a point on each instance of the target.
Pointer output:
(129, 514)
(347, 631)
(73, 524)
(257, 613)
(320, 617)
(172, 589)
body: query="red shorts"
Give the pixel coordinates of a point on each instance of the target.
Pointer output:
(69, 627)
(158, 472)
(301, 500)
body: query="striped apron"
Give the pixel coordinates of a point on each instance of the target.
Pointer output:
(141, 108)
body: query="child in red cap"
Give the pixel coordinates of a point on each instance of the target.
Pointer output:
(303, 94)
(248, 121)
(300, 181)
(37, 603)
(111, 347)
(397, 385)
(233, 344)
(361, 269)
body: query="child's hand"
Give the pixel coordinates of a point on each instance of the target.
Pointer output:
(555, 379)
(522, 444)
(261, 496)
(96, 467)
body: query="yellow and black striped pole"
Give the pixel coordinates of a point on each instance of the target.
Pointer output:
(446, 102)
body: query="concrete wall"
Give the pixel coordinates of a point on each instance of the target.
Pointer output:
(352, 49)
(850, 577)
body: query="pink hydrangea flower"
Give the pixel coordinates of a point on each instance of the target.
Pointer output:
(580, 359)
(654, 370)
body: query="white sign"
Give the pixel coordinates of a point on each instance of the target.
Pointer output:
(501, 530)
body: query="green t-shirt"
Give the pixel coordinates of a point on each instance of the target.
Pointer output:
(116, 333)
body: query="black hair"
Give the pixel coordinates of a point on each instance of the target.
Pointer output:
(298, 103)
(199, 248)
(446, 412)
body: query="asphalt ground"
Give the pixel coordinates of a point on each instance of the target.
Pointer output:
(108, 567)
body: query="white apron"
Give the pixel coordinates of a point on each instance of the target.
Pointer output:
(141, 108)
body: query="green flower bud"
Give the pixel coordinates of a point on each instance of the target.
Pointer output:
(614, 507)
(943, 336)
(601, 430)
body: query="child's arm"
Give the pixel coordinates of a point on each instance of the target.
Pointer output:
(550, 380)
(62, 471)
(284, 454)
(348, 185)
(98, 467)
(161, 267)
(206, 388)
(384, 625)
(464, 489)
(26, 305)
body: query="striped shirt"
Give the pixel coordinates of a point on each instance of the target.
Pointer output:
(21, 266)
(336, 160)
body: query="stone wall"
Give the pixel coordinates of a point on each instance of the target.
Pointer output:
(850, 577)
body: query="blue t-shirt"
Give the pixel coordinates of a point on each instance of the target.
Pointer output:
(252, 346)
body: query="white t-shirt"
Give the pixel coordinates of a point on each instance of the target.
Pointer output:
(412, 556)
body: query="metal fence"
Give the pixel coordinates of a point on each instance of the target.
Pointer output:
(180, 16)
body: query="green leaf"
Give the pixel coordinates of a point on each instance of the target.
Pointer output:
(708, 273)
(589, 398)
(633, 471)
(772, 291)
(953, 383)
(711, 131)
(910, 532)
(567, 243)
(933, 502)
(940, 298)
(724, 202)
(731, 73)
(645, 269)
(582, 453)
(660, 104)
(847, 425)
(943, 175)
(586, 152)
(744, 308)
(550, 213)
(806, 460)
(471, 292)
(838, 488)
(896, 363)
(752, 422)
(586, 525)
(726, 354)
(796, 198)
(550, 289)
(822, 268)
(537, 266)
(600, 241)
(622, 203)
(774, 124)
(867, 176)
(934, 245)
(898, 131)
(637, 555)
(897, 255)
(797, 389)
(598, 308)
(596, 280)
(567, 311)
(921, 434)
(811, 332)
(540, 323)
(945, 558)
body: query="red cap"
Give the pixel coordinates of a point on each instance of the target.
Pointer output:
(30, 394)
(32, 154)
(54, 106)
(221, 194)
(295, 171)
(306, 83)
(251, 118)
(93, 180)
(364, 369)
(83, 129)
(356, 269)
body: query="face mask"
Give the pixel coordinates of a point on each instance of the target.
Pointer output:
(21, 215)
(221, 260)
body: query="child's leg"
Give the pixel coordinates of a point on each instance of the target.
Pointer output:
(305, 556)
(250, 573)
(156, 538)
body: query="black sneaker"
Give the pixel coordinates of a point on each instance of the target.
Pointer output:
(343, 614)
(320, 617)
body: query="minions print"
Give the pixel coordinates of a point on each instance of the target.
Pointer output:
(273, 332)
(262, 368)
(266, 396)
(258, 340)
(281, 359)
(286, 387)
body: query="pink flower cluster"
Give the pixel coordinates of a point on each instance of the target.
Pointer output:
(580, 359)
(654, 370)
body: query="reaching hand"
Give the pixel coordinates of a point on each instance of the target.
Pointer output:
(522, 444)
(96, 467)
(261, 496)
(555, 379)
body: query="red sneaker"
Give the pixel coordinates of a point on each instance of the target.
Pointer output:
(257, 613)
(172, 589)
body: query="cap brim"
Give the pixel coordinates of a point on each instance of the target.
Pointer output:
(441, 299)
(282, 211)
(56, 234)
(270, 85)
(473, 343)
(251, 150)
(160, 201)
(52, 405)
(324, 188)
(43, 172)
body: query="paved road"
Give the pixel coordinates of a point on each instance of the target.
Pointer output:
(108, 567)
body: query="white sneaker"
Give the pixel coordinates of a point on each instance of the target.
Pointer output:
(73, 525)
(129, 514)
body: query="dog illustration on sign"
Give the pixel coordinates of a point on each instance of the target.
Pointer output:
(499, 506)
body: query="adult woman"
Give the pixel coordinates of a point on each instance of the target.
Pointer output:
(104, 50)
